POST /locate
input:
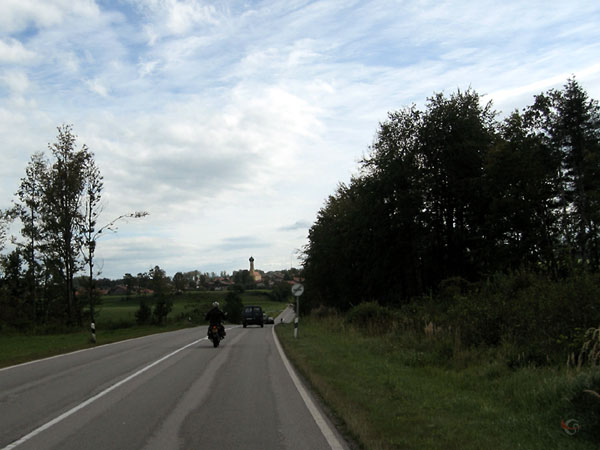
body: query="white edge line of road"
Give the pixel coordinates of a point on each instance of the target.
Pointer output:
(76, 351)
(86, 350)
(95, 397)
(328, 433)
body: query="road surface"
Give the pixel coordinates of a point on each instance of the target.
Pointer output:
(166, 391)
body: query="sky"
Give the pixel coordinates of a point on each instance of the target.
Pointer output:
(231, 122)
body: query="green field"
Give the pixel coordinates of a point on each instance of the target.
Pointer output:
(119, 310)
(115, 321)
(388, 395)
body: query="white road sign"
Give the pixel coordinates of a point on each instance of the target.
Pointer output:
(297, 289)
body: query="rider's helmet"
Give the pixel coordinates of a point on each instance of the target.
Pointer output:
(215, 304)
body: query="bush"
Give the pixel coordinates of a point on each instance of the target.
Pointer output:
(194, 312)
(162, 308)
(323, 312)
(590, 349)
(371, 317)
(530, 319)
(143, 314)
(281, 292)
(233, 307)
(540, 319)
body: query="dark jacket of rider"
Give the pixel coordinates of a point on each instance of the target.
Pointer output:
(215, 316)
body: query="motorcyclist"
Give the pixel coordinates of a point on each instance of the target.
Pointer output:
(215, 317)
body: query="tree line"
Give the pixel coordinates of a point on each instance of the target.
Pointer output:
(58, 205)
(452, 192)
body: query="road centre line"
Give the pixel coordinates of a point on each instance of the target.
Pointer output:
(95, 397)
(328, 433)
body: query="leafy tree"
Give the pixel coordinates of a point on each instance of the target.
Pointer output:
(333, 256)
(14, 311)
(144, 313)
(162, 308)
(143, 281)
(233, 307)
(523, 180)
(58, 203)
(449, 192)
(129, 282)
(243, 279)
(456, 134)
(159, 281)
(571, 123)
(29, 209)
(93, 186)
(281, 292)
(179, 281)
(162, 290)
(415, 215)
(393, 206)
(62, 218)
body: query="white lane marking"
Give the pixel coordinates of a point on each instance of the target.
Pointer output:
(93, 348)
(95, 397)
(79, 351)
(328, 433)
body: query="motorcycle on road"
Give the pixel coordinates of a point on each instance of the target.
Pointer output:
(214, 335)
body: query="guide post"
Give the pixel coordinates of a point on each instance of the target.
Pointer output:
(297, 290)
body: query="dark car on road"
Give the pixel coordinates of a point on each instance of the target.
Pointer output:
(252, 315)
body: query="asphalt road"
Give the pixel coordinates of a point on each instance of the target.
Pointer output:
(167, 391)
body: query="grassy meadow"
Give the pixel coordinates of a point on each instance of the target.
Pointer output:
(119, 311)
(395, 392)
(386, 390)
(115, 321)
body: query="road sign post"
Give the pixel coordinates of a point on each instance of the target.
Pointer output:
(297, 290)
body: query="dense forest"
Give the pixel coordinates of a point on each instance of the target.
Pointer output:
(455, 208)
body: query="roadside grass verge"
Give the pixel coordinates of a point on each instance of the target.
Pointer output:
(20, 348)
(389, 395)
(115, 321)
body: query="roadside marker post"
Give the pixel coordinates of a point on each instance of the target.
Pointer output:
(297, 290)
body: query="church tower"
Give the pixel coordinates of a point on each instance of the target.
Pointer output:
(256, 276)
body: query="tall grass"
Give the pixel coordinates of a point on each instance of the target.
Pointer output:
(590, 350)
(404, 390)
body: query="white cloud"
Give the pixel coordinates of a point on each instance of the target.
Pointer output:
(541, 84)
(98, 87)
(12, 51)
(166, 18)
(183, 15)
(16, 81)
(231, 123)
(17, 15)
